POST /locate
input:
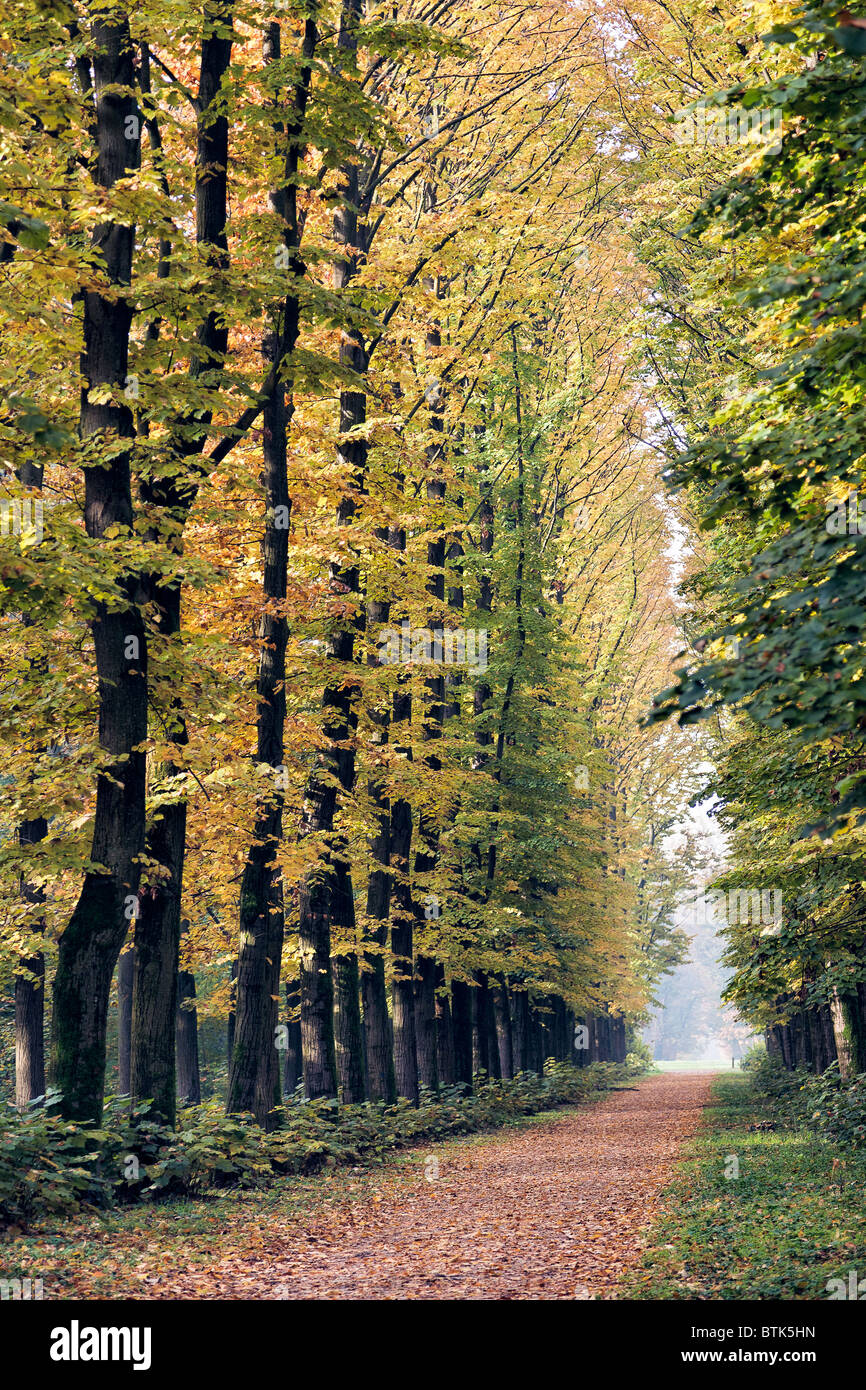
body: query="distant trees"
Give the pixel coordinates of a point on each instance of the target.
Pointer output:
(757, 352)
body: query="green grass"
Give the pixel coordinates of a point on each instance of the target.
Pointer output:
(786, 1225)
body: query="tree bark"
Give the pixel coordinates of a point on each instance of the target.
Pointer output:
(402, 916)
(157, 926)
(254, 1081)
(30, 992)
(188, 1073)
(502, 1015)
(329, 886)
(444, 1030)
(378, 1033)
(425, 1022)
(461, 1015)
(254, 1077)
(840, 1012)
(91, 943)
(520, 1030)
(293, 1068)
(427, 853)
(125, 977)
(480, 1026)
(381, 1079)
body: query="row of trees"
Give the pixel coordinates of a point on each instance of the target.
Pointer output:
(337, 576)
(756, 357)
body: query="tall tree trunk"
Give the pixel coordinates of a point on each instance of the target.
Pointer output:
(348, 1028)
(425, 1022)
(461, 1016)
(153, 1074)
(91, 943)
(254, 1079)
(520, 1030)
(327, 889)
(427, 853)
(188, 1074)
(537, 1041)
(30, 987)
(381, 1079)
(125, 978)
(444, 1030)
(492, 1039)
(30, 992)
(293, 1068)
(378, 1034)
(402, 906)
(254, 1082)
(502, 1015)
(840, 1012)
(402, 916)
(350, 238)
(829, 1039)
(480, 1025)
(232, 1013)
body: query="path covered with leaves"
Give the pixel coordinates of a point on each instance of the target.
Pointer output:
(557, 1210)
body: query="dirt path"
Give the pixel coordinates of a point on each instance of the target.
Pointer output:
(552, 1211)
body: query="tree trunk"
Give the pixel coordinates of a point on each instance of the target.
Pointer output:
(254, 1080)
(480, 1026)
(293, 1066)
(402, 917)
(157, 926)
(378, 1034)
(461, 1017)
(91, 943)
(125, 977)
(536, 1041)
(829, 1040)
(402, 906)
(381, 1080)
(502, 1015)
(520, 1030)
(154, 994)
(427, 854)
(29, 1032)
(30, 992)
(425, 1022)
(333, 877)
(188, 1075)
(232, 1014)
(848, 1033)
(348, 1031)
(444, 1030)
(349, 236)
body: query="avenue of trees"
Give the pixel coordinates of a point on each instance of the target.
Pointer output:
(358, 664)
(334, 568)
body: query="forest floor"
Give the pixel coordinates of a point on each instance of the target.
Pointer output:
(556, 1208)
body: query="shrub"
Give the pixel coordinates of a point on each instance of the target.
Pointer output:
(754, 1058)
(639, 1058)
(53, 1167)
(837, 1107)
